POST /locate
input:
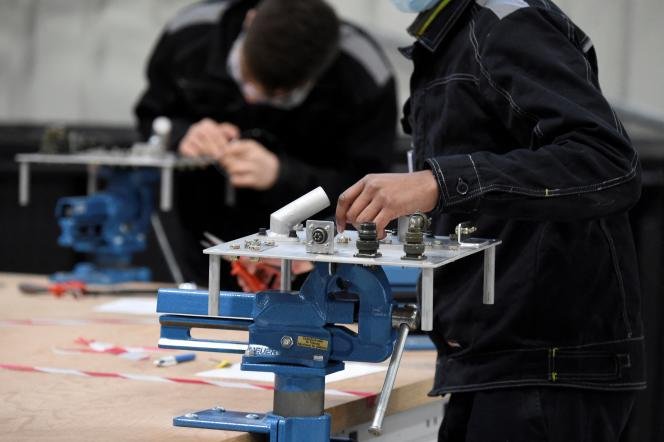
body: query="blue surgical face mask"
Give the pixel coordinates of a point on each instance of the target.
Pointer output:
(414, 5)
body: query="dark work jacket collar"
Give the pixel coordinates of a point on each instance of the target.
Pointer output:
(228, 28)
(432, 26)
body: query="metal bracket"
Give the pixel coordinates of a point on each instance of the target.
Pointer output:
(320, 237)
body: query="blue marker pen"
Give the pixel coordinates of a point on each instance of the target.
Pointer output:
(167, 361)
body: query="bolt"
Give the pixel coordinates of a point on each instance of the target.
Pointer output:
(219, 409)
(286, 342)
(318, 358)
(191, 416)
(252, 416)
(343, 239)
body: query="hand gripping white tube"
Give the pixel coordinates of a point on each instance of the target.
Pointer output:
(284, 219)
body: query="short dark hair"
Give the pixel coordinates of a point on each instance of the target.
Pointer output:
(290, 42)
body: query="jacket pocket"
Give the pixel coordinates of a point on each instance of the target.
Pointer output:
(619, 276)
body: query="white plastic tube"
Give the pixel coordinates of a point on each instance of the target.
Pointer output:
(284, 219)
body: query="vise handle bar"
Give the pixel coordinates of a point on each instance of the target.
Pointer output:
(405, 318)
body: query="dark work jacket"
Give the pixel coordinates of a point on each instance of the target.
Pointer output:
(507, 112)
(344, 130)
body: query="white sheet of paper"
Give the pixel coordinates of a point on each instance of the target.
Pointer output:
(353, 370)
(131, 306)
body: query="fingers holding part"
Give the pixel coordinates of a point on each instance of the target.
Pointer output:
(344, 203)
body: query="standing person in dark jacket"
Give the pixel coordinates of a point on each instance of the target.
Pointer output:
(511, 131)
(285, 98)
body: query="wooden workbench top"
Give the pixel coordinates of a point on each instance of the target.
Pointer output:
(82, 397)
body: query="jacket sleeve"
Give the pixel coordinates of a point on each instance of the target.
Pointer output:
(571, 158)
(364, 146)
(161, 96)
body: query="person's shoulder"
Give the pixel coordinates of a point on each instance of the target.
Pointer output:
(507, 12)
(502, 8)
(519, 21)
(202, 13)
(358, 48)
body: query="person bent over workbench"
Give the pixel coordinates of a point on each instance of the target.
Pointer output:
(282, 95)
(512, 133)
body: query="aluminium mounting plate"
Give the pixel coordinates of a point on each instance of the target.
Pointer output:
(439, 252)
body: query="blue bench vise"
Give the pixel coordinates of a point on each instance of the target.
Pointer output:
(298, 336)
(110, 226)
(302, 336)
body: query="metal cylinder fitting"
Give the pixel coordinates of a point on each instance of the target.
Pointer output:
(414, 246)
(367, 244)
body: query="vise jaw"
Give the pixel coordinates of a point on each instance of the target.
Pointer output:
(304, 328)
(299, 336)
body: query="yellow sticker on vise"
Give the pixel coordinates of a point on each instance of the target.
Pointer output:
(309, 342)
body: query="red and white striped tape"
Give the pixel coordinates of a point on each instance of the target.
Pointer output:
(167, 379)
(74, 321)
(93, 346)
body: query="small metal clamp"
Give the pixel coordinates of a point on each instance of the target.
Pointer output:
(461, 235)
(462, 230)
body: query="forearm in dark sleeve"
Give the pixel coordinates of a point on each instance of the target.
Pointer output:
(573, 159)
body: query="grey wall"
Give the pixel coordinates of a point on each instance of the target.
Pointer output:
(83, 60)
(76, 60)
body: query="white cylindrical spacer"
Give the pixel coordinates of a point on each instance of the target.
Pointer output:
(284, 219)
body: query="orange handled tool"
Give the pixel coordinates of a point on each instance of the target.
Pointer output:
(264, 277)
(253, 283)
(78, 288)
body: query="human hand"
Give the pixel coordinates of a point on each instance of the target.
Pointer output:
(250, 164)
(381, 198)
(207, 138)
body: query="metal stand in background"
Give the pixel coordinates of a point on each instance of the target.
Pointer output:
(166, 250)
(113, 220)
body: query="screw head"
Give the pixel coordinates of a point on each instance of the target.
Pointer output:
(252, 416)
(191, 416)
(286, 341)
(219, 409)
